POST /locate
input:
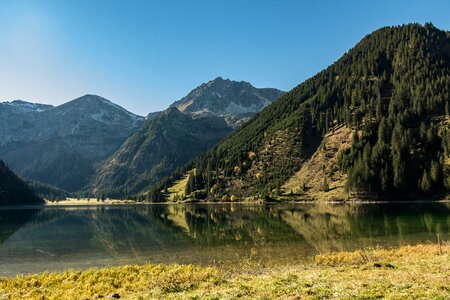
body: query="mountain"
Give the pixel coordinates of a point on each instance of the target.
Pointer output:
(169, 139)
(373, 125)
(236, 101)
(13, 191)
(24, 106)
(160, 146)
(61, 145)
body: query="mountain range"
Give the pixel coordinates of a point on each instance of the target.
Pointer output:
(95, 146)
(373, 125)
(169, 139)
(62, 145)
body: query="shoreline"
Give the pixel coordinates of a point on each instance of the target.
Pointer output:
(85, 203)
(88, 202)
(367, 273)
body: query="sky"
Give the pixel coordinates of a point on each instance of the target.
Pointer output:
(144, 55)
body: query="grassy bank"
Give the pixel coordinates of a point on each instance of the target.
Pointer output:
(87, 201)
(421, 271)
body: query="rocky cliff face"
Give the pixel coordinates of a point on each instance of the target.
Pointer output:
(61, 145)
(236, 101)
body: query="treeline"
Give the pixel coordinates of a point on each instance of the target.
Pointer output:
(48, 191)
(392, 88)
(13, 190)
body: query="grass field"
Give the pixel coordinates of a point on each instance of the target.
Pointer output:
(411, 272)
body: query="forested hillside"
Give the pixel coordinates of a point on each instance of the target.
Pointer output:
(160, 146)
(392, 91)
(13, 190)
(47, 191)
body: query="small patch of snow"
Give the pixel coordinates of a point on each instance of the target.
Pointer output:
(24, 106)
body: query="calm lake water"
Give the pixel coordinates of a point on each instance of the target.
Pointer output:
(57, 238)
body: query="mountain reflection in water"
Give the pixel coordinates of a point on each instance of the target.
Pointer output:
(56, 238)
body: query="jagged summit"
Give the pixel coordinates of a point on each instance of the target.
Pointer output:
(224, 97)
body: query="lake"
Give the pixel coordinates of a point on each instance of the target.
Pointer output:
(56, 238)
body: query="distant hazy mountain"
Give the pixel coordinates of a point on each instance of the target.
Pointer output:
(60, 145)
(13, 190)
(169, 139)
(236, 101)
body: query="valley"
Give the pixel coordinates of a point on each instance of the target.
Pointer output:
(337, 187)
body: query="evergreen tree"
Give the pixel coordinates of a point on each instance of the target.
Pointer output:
(425, 183)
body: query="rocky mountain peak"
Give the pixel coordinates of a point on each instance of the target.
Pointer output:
(225, 97)
(96, 108)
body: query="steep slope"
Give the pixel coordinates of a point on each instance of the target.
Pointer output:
(319, 176)
(160, 146)
(61, 145)
(234, 100)
(392, 90)
(13, 191)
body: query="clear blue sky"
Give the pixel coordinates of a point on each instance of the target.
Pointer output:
(144, 55)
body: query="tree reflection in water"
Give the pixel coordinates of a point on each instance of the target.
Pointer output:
(93, 236)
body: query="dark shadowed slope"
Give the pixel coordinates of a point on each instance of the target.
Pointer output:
(159, 147)
(13, 191)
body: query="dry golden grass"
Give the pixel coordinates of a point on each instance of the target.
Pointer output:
(178, 188)
(321, 165)
(90, 201)
(413, 272)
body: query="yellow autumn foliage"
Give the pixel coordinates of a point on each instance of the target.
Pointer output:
(237, 170)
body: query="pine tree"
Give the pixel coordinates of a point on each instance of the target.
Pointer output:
(425, 183)
(435, 172)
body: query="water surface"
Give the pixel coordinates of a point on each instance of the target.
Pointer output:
(57, 238)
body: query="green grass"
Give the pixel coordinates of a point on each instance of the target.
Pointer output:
(413, 272)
